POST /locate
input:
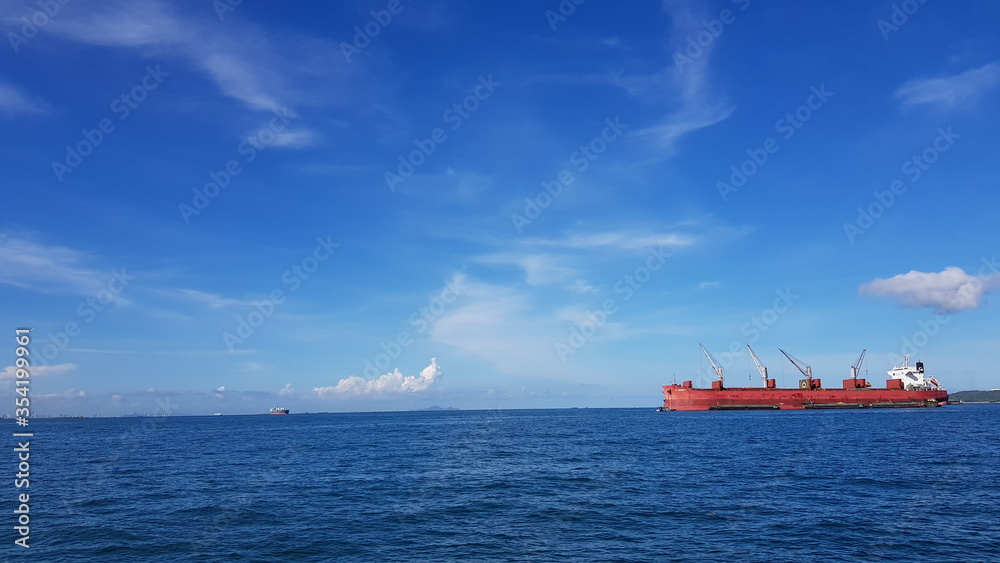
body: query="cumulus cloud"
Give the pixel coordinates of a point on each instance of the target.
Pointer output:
(10, 372)
(947, 291)
(389, 383)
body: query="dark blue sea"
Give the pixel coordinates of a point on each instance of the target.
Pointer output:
(528, 485)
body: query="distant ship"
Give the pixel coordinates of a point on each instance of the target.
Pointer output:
(907, 386)
(279, 410)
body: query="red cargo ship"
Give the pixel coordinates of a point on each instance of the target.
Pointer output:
(907, 386)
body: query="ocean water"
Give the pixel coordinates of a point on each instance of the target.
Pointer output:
(529, 485)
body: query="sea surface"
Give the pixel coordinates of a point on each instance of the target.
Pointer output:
(517, 485)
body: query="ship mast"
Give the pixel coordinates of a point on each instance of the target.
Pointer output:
(718, 370)
(760, 367)
(806, 370)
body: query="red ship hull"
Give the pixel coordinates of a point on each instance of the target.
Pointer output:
(686, 398)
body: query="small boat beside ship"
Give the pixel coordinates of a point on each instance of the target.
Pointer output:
(907, 387)
(278, 410)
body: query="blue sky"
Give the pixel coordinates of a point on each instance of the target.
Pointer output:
(392, 205)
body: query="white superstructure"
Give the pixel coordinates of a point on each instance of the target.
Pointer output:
(914, 378)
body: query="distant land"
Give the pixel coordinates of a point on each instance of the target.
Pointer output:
(975, 396)
(437, 408)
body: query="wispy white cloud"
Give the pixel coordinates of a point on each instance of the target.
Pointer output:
(947, 291)
(950, 91)
(495, 324)
(451, 185)
(68, 394)
(697, 104)
(14, 101)
(10, 372)
(620, 240)
(687, 94)
(246, 62)
(294, 139)
(35, 266)
(389, 383)
(581, 286)
(508, 327)
(210, 300)
(539, 269)
(567, 260)
(518, 332)
(141, 23)
(152, 26)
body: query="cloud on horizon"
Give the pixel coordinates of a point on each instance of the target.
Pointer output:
(948, 291)
(389, 383)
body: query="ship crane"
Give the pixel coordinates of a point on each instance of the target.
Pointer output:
(760, 367)
(718, 369)
(806, 370)
(857, 365)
